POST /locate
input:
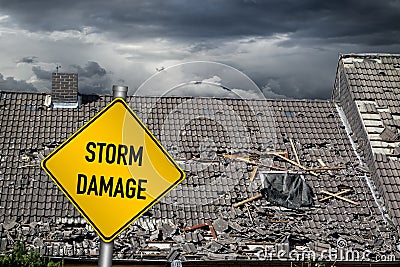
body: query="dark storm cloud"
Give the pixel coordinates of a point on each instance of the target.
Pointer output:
(41, 74)
(202, 46)
(92, 78)
(90, 70)
(10, 83)
(368, 22)
(28, 60)
(307, 36)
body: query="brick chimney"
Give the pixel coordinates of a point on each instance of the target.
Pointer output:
(64, 90)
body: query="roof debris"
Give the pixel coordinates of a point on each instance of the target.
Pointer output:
(286, 189)
(247, 200)
(338, 195)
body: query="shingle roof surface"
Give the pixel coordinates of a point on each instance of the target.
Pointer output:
(197, 132)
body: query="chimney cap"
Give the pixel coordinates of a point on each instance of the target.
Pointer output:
(120, 91)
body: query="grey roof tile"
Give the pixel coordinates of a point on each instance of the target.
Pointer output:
(211, 187)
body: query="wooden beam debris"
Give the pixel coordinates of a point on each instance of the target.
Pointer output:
(201, 225)
(294, 151)
(338, 195)
(283, 153)
(248, 160)
(249, 213)
(295, 163)
(239, 158)
(253, 173)
(212, 230)
(247, 200)
(322, 163)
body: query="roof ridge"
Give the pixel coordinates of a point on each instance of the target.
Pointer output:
(23, 92)
(368, 55)
(192, 97)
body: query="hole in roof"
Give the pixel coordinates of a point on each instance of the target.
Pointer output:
(331, 115)
(290, 114)
(208, 111)
(30, 107)
(382, 73)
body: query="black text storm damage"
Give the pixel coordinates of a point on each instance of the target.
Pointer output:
(100, 185)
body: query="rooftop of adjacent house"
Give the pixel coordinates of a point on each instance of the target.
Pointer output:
(367, 87)
(374, 82)
(231, 150)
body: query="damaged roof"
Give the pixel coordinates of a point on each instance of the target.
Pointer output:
(367, 88)
(226, 147)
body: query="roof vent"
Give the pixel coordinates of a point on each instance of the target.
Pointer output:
(64, 90)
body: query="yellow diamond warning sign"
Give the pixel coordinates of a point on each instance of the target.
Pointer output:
(113, 169)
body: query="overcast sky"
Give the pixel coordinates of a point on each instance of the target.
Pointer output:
(289, 48)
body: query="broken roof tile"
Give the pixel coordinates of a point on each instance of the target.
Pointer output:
(213, 183)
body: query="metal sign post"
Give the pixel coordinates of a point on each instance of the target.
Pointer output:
(106, 248)
(106, 253)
